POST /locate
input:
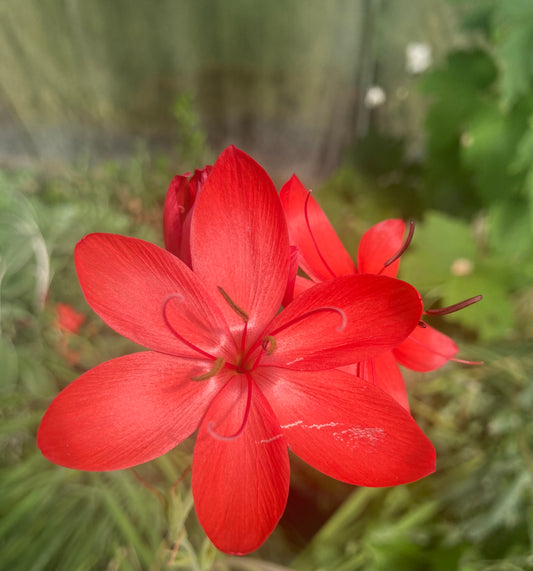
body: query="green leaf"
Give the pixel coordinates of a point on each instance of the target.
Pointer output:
(439, 241)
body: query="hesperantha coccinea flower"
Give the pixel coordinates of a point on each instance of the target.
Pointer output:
(223, 360)
(177, 212)
(322, 256)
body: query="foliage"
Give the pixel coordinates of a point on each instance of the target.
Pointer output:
(472, 196)
(475, 512)
(472, 514)
(480, 127)
(50, 517)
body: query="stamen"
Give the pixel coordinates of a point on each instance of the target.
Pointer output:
(306, 214)
(422, 324)
(312, 312)
(219, 363)
(174, 332)
(210, 425)
(269, 344)
(404, 246)
(455, 307)
(238, 310)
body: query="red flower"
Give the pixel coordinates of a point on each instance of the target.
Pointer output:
(67, 319)
(223, 361)
(177, 212)
(67, 323)
(323, 257)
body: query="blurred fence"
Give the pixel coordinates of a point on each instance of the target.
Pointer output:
(283, 79)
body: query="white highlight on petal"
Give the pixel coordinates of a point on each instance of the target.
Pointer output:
(291, 425)
(350, 435)
(356, 433)
(268, 440)
(319, 426)
(308, 426)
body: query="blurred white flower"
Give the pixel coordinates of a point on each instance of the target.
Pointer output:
(417, 57)
(375, 96)
(462, 267)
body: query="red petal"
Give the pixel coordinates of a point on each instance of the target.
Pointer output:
(125, 412)
(290, 292)
(178, 203)
(322, 255)
(302, 284)
(379, 313)
(383, 371)
(378, 245)
(239, 240)
(426, 349)
(240, 486)
(126, 281)
(347, 428)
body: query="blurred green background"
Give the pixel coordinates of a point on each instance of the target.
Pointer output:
(386, 108)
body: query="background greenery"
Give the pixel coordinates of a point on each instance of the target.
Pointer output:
(90, 143)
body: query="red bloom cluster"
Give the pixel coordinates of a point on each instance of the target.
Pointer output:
(223, 360)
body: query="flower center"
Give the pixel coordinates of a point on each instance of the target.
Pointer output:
(245, 361)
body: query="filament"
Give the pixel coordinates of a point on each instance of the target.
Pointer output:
(174, 332)
(306, 214)
(238, 310)
(210, 425)
(403, 247)
(312, 312)
(219, 363)
(455, 307)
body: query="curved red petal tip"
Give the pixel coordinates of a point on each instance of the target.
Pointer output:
(127, 281)
(322, 255)
(426, 349)
(239, 240)
(240, 486)
(348, 428)
(378, 313)
(378, 245)
(123, 412)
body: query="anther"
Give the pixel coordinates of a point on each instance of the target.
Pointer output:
(306, 214)
(219, 363)
(238, 310)
(455, 307)
(422, 324)
(210, 425)
(404, 246)
(269, 344)
(179, 297)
